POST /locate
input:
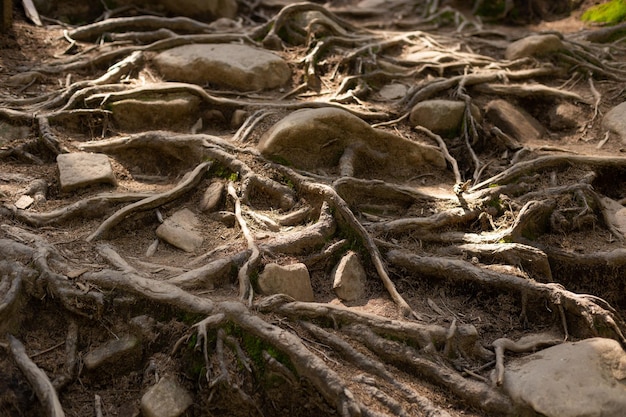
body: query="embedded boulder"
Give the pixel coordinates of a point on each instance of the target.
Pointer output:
(180, 230)
(441, 116)
(514, 121)
(82, 169)
(242, 67)
(292, 280)
(172, 112)
(579, 379)
(535, 45)
(615, 121)
(317, 139)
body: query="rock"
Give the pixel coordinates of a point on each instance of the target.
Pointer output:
(586, 378)
(239, 116)
(212, 196)
(165, 399)
(535, 45)
(565, 116)
(615, 214)
(242, 67)
(174, 112)
(514, 121)
(441, 116)
(115, 356)
(292, 280)
(315, 139)
(24, 202)
(349, 278)
(81, 169)
(615, 121)
(179, 230)
(393, 91)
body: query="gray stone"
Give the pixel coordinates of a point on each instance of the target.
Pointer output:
(315, 139)
(393, 91)
(115, 356)
(212, 196)
(165, 399)
(292, 280)
(580, 379)
(179, 230)
(242, 67)
(24, 202)
(514, 121)
(535, 45)
(81, 169)
(615, 214)
(349, 278)
(441, 116)
(615, 121)
(175, 112)
(565, 116)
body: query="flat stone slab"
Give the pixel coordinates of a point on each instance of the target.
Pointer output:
(579, 379)
(242, 67)
(174, 112)
(534, 45)
(180, 230)
(116, 355)
(615, 121)
(514, 121)
(293, 280)
(165, 399)
(81, 169)
(393, 91)
(316, 139)
(441, 116)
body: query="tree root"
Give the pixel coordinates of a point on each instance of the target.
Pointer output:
(245, 288)
(344, 212)
(155, 201)
(90, 207)
(475, 393)
(37, 379)
(598, 319)
(430, 338)
(525, 344)
(375, 368)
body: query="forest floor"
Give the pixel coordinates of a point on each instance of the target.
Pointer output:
(437, 261)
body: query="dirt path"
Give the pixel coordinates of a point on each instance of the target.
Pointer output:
(471, 232)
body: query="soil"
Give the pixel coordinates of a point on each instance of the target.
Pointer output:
(41, 323)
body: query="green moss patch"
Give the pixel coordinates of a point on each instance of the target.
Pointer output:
(611, 12)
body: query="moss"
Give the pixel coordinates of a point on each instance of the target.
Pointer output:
(220, 171)
(612, 12)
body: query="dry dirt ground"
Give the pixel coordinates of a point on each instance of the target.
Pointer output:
(447, 274)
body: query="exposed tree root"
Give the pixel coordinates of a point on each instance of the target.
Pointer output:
(151, 202)
(598, 319)
(37, 378)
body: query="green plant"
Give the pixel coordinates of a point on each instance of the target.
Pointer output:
(611, 12)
